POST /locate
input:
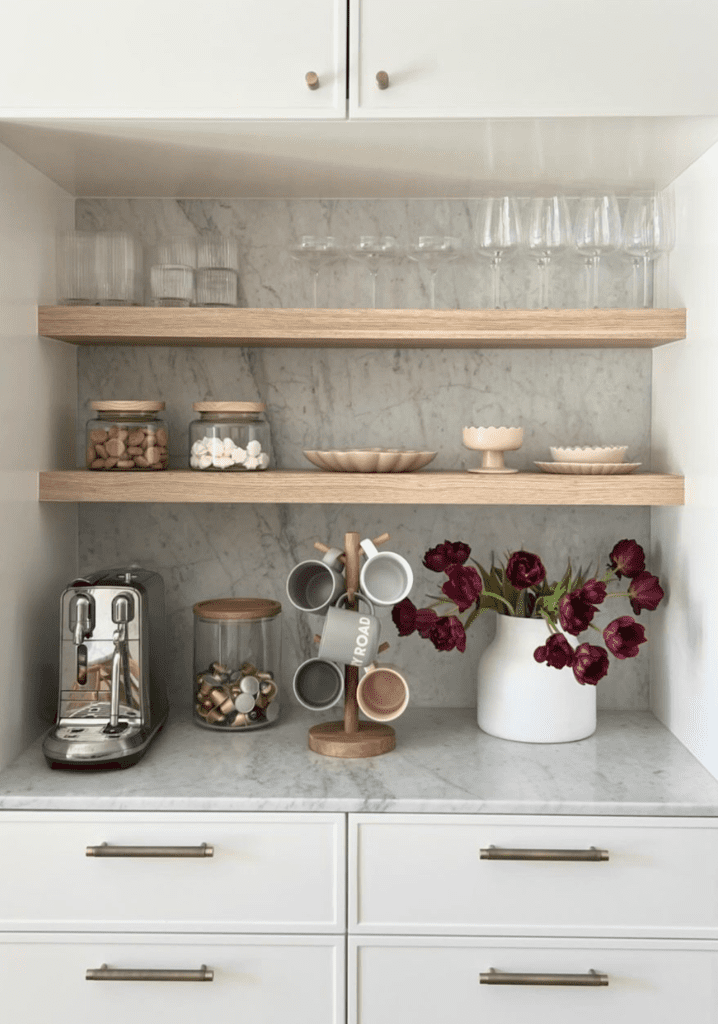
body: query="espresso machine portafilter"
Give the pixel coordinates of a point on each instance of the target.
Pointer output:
(113, 693)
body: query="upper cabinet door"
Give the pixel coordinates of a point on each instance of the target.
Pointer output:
(533, 58)
(173, 59)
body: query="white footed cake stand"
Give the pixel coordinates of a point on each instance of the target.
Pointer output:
(493, 442)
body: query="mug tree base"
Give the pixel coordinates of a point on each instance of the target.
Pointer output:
(370, 739)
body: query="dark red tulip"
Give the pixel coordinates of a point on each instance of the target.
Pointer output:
(463, 586)
(645, 592)
(448, 633)
(594, 591)
(425, 619)
(525, 569)
(622, 637)
(590, 664)
(627, 558)
(403, 616)
(575, 612)
(557, 652)
(440, 558)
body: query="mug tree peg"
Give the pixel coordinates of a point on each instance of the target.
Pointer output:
(383, 647)
(324, 548)
(382, 539)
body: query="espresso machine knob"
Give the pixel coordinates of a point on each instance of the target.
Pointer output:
(82, 617)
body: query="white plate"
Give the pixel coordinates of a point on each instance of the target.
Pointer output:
(370, 460)
(588, 468)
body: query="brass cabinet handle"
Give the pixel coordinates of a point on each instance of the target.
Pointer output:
(504, 853)
(106, 973)
(382, 79)
(149, 851)
(594, 979)
(312, 79)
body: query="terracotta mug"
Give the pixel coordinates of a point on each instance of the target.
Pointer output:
(383, 693)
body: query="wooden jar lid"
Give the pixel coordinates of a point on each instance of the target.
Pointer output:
(122, 406)
(236, 609)
(229, 406)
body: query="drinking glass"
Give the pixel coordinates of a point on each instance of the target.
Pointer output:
(77, 268)
(597, 231)
(371, 250)
(497, 235)
(172, 271)
(648, 233)
(548, 233)
(217, 265)
(119, 269)
(316, 251)
(431, 251)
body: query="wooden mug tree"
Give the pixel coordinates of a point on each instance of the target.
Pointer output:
(350, 737)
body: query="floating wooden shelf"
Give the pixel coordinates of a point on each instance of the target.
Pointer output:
(316, 488)
(371, 328)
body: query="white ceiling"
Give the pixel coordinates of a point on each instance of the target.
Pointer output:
(359, 159)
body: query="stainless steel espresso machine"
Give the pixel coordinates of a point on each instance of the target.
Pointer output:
(113, 692)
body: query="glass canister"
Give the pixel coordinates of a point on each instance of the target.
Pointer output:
(230, 436)
(127, 436)
(237, 652)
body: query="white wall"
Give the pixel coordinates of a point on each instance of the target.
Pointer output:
(38, 394)
(684, 633)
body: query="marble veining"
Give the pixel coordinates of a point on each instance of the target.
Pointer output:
(442, 764)
(360, 397)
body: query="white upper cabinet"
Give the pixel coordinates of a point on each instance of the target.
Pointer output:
(173, 59)
(533, 58)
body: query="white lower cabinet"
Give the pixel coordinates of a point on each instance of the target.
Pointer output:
(262, 979)
(422, 980)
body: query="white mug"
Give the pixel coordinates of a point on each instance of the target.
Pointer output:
(348, 637)
(386, 578)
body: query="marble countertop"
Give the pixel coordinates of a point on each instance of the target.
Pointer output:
(442, 764)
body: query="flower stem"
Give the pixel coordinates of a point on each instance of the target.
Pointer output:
(497, 597)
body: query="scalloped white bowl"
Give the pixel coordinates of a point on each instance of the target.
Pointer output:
(612, 455)
(497, 439)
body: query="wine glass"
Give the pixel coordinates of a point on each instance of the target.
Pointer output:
(648, 233)
(432, 251)
(497, 234)
(548, 233)
(597, 231)
(371, 250)
(316, 251)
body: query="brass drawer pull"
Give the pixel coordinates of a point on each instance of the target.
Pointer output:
(594, 979)
(382, 79)
(312, 79)
(106, 973)
(149, 851)
(503, 853)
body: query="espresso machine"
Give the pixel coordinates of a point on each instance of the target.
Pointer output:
(113, 692)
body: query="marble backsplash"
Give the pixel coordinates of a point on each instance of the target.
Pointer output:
(339, 398)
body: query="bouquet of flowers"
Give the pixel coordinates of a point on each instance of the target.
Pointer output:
(519, 587)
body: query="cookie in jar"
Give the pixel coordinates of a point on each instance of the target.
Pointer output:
(127, 436)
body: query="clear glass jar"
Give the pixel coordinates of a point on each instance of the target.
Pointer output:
(127, 436)
(237, 654)
(230, 436)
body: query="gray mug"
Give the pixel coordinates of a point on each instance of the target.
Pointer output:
(351, 637)
(318, 684)
(314, 585)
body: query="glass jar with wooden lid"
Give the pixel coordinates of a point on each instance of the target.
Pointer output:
(237, 654)
(230, 436)
(127, 435)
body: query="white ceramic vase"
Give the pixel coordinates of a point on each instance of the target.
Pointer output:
(522, 699)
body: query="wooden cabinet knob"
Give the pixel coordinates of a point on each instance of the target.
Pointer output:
(312, 79)
(382, 79)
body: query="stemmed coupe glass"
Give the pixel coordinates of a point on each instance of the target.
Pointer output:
(316, 251)
(372, 250)
(432, 251)
(497, 234)
(548, 234)
(597, 232)
(648, 233)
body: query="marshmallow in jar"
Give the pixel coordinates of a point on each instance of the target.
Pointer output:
(237, 650)
(230, 436)
(127, 436)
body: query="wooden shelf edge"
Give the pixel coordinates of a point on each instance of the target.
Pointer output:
(314, 487)
(382, 328)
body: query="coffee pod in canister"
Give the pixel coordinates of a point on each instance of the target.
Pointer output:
(244, 702)
(249, 684)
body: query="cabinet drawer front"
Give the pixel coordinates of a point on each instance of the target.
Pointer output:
(425, 980)
(262, 979)
(268, 873)
(425, 874)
